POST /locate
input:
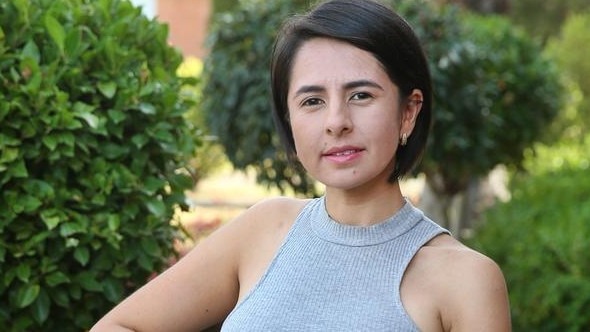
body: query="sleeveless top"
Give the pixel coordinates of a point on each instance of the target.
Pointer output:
(328, 276)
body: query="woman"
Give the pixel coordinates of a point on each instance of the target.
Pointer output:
(352, 100)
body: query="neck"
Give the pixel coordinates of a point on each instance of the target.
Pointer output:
(364, 207)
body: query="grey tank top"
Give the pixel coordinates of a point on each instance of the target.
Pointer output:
(332, 277)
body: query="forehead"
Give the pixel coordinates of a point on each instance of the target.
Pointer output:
(329, 60)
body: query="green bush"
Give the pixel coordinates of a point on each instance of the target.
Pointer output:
(92, 137)
(540, 239)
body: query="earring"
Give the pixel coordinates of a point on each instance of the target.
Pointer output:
(404, 139)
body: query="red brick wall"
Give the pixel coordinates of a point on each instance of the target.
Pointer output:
(188, 21)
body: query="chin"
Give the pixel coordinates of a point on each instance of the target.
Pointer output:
(345, 184)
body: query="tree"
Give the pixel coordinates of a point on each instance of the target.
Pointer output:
(93, 139)
(495, 95)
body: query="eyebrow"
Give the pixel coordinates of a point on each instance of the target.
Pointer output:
(347, 86)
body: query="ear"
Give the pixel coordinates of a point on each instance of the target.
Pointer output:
(410, 110)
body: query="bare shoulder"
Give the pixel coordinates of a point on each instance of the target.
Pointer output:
(457, 260)
(258, 233)
(278, 206)
(469, 287)
(270, 214)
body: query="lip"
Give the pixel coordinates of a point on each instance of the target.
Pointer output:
(343, 154)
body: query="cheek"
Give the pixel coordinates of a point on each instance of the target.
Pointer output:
(382, 124)
(384, 133)
(299, 131)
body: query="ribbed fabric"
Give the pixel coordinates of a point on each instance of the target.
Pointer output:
(332, 277)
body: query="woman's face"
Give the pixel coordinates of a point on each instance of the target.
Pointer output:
(345, 114)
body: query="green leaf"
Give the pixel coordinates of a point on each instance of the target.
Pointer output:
(151, 185)
(23, 7)
(67, 138)
(72, 42)
(114, 151)
(75, 291)
(39, 188)
(150, 246)
(82, 255)
(8, 140)
(51, 220)
(9, 154)
(31, 74)
(139, 140)
(35, 240)
(31, 51)
(108, 89)
(69, 229)
(113, 290)
(85, 112)
(182, 181)
(156, 207)
(88, 282)
(60, 297)
(19, 170)
(145, 262)
(50, 141)
(114, 221)
(9, 277)
(163, 135)
(23, 272)
(56, 31)
(41, 306)
(147, 108)
(72, 242)
(27, 294)
(56, 278)
(30, 203)
(116, 115)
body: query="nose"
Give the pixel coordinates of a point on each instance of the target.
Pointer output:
(338, 120)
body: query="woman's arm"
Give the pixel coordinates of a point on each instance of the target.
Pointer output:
(196, 292)
(477, 297)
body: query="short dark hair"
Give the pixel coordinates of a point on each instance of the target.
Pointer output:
(370, 26)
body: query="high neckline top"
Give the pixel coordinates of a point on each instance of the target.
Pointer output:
(328, 276)
(386, 230)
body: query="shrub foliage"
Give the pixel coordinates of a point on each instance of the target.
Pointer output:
(540, 240)
(92, 135)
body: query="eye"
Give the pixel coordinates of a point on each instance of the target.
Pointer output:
(360, 96)
(312, 102)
